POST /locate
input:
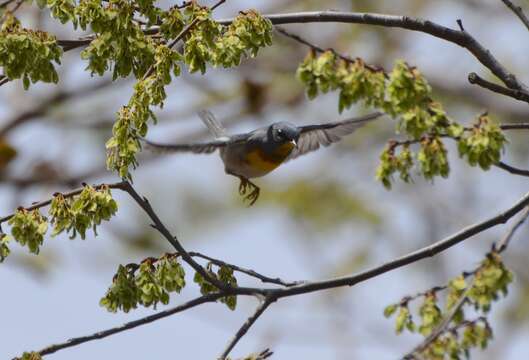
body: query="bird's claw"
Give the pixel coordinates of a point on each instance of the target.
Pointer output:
(249, 190)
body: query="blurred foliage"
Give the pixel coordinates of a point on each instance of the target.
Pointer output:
(322, 204)
(7, 154)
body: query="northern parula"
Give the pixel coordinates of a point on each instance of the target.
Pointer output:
(256, 153)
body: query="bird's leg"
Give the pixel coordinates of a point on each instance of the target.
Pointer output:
(249, 190)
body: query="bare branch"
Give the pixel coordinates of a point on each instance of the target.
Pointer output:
(518, 94)
(321, 50)
(512, 169)
(517, 126)
(517, 10)
(502, 245)
(244, 328)
(130, 325)
(415, 256)
(248, 272)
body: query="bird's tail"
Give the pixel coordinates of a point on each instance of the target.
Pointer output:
(213, 125)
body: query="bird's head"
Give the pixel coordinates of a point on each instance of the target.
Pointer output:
(284, 132)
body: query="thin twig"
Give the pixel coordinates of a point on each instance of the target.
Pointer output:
(517, 10)
(244, 328)
(517, 126)
(512, 169)
(316, 48)
(130, 325)
(518, 94)
(249, 272)
(502, 245)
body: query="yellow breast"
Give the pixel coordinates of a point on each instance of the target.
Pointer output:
(267, 162)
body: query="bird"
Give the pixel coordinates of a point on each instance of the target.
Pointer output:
(257, 153)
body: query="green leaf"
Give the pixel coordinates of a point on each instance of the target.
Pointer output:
(28, 228)
(4, 249)
(390, 310)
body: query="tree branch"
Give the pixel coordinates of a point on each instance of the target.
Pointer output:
(512, 169)
(271, 295)
(321, 50)
(415, 256)
(246, 326)
(158, 225)
(517, 10)
(130, 325)
(517, 126)
(517, 94)
(502, 245)
(249, 272)
(458, 37)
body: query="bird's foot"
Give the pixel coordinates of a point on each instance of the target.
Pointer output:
(249, 190)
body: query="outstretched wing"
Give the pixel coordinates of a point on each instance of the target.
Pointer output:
(213, 125)
(314, 136)
(197, 148)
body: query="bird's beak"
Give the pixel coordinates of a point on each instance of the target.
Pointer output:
(294, 142)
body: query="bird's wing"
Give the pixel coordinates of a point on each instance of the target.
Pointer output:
(213, 125)
(314, 136)
(197, 148)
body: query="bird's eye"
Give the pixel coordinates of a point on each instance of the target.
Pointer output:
(280, 132)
